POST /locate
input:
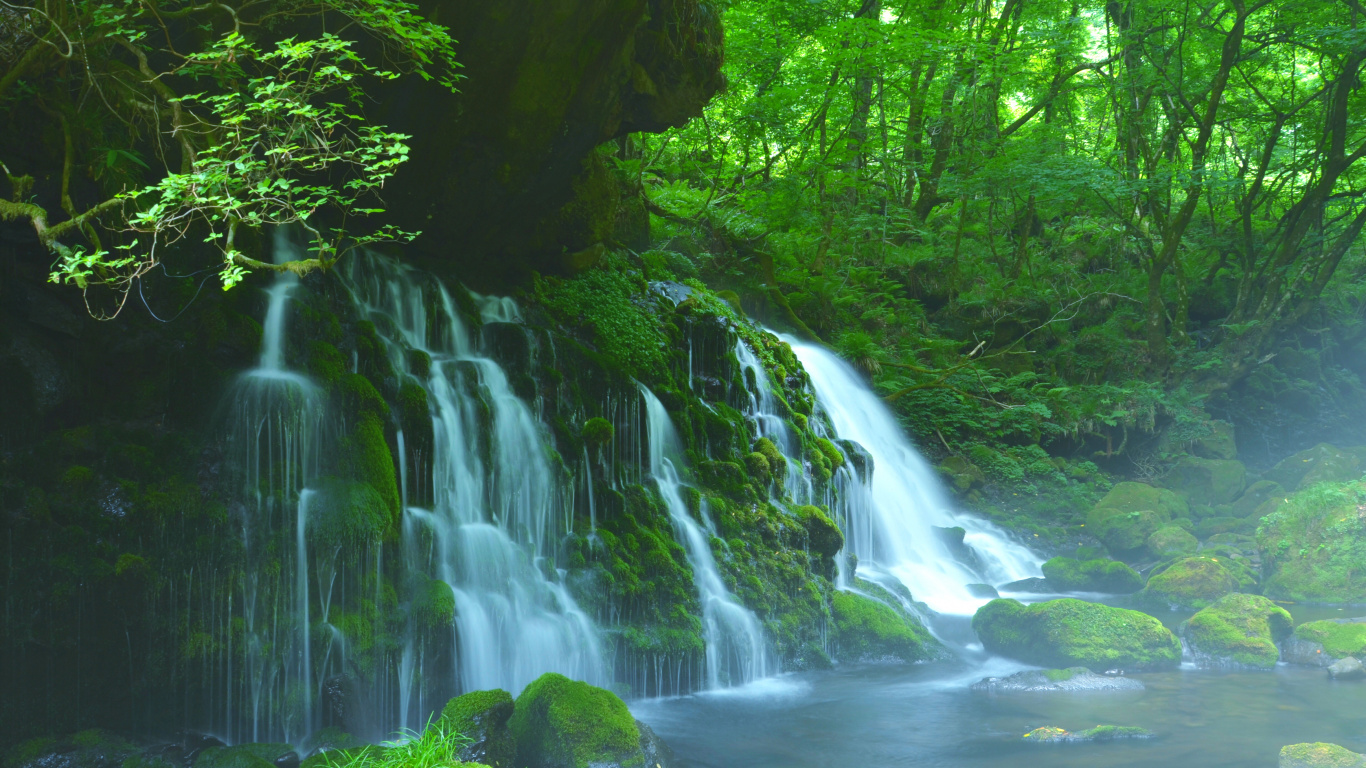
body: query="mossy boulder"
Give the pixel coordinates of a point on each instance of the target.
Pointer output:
(1069, 632)
(725, 476)
(1049, 734)
(1323, 463)
(1332, 638)
(1192, 582)
(94, 748)
(482, 717)
(1254, 497)
(1238, 629)
(563, 723)
(243, 756)
(1172, 541)
(1218, 444)
(1320, 755)
(1131, 512)
(597, 432)
(1314, 544)
(1071, 575)
(961, 473)
(823, 535)
(777, 463)
(869, 630)
(346, 512)
(1208, 481)
(760, 471)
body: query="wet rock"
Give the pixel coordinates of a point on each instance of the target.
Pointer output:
(982, 590)
(657, 753)
(1055, 735)
(1172, 541)
(1031, 585)
(1320, 755)
(482, 717)
(1238, 630)
(1069, 632)
(1296, 650)
(1130, 513)
(1320, 643)
(1195, 582)
(1349, 668)
(867, 629)
(1049, 680)
(1066, 574)
(563, 723)
(289, 759)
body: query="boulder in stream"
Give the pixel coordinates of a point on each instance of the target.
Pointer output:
(1320, 755)
(1238, 630)
(1320, 643)
(1068, 574)
(1051, 680)
(1349, 668)
(563, 723)
(482, 717)
(1069, 632)
(1195, 582)
(1054, 735)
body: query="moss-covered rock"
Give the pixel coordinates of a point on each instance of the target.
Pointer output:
(1172, 541)
(597, 432)
(1323, 463)
(777, 464)
(1239, 629)
(1207, 481)
(563, 723)
(1192, 582)
(94, 748)
(1071, 575)
(961, 473)
(1126, 533)
(1132, 497)
(822, 533)
(1218, 444)
(482, 717)
(869, 630)
(1338, 638)
(1254, 497)
(1314, 544)
(1049, 734)
(242, 756)
(1069, 632)
(343, 512)
(1320, 755)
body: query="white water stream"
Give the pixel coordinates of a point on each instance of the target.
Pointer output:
(889, 519)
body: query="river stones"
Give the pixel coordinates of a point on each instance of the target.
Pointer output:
(1349, 668)
(1068, 574)
(1054, 735)
(1320, 643)
(1069, 632)
(1320, 755)
(1059, 680)
(1238, 630)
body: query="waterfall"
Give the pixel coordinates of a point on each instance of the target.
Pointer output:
(762, 410)
(736, 651)
(889, 519)
(276, 434)
(492, 521)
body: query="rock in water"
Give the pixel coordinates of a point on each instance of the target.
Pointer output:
(1070, 632)
(1054, 735)
(982, 590)
(1239, 630)
(1320, 755)
(1048, 680)
(1071, 575)
(1347, 669)
(1320, 643)
(1195, 582)
(1033, 585)
(563, 723)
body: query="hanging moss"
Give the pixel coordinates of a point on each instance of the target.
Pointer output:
(368, 460)
(597, 432)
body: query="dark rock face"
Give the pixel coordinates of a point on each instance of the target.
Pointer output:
(506, 167)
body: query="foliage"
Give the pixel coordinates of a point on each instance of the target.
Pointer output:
(211, 120)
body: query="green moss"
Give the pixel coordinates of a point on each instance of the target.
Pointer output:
(1207, 481)
(777, 464)
(1338, 638)
(359, 396)
(831, 453)
(434, 605)
(1096, 575)
(824, 535)
(367, 459)
(242, 756)
(78, 478)
(597, 432)
(1314, 543)
(563, 722)
(608, 309)
(1132, 497)
(482, 717)
(1060, 675)
(1319, 755)
(1172, 541)
(1126, 532)
(1242, 629)
(725, 476)
(325, 364)
(346, 512)
(868, 629)
(1069, 632)
(1192, 582)
(1323, 463)
(757, 466)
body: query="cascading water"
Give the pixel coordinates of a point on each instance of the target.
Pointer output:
(277, 436)
(736, 651)
(492, 519)
(889, 519)
(763, 411)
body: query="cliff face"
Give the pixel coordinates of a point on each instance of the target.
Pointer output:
(505, 169)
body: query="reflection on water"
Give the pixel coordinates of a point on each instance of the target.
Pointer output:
(925, 715)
